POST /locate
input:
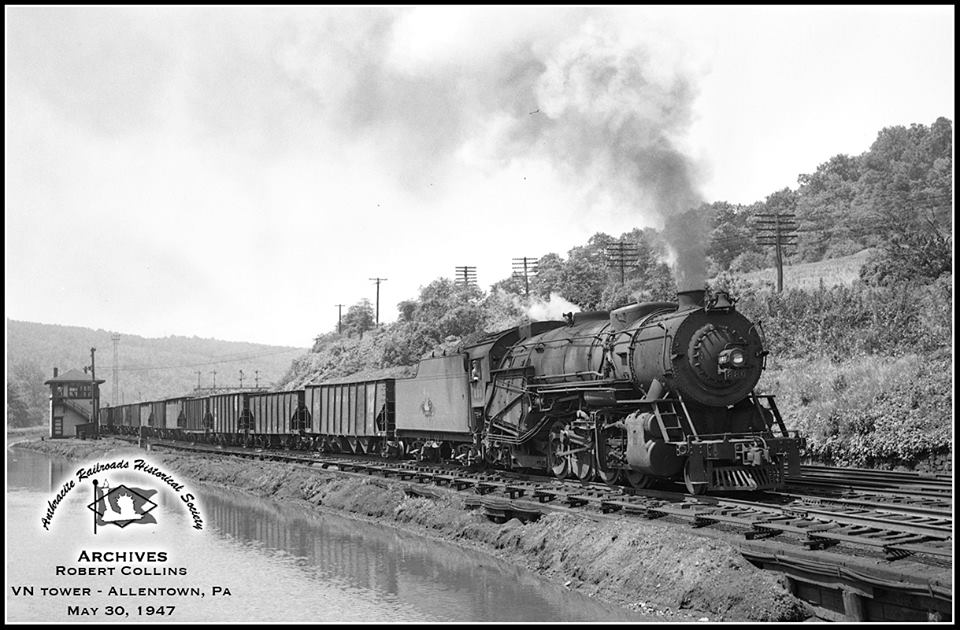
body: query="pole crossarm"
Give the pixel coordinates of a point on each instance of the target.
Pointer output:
(525, 267)
(621, 255)
(467, 276)
(778, 230)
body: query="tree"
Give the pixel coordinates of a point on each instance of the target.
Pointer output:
(731, 235)
(585, 272)
(829, 224)
(549, 276)
(359, 318)
(906, 179)
(503, 309)
(17, 413)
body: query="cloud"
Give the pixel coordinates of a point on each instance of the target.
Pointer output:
(308, 136)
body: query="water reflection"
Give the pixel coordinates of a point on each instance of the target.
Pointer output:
(33, 471)
(444, 580)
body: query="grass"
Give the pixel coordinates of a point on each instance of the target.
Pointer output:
(834, 271)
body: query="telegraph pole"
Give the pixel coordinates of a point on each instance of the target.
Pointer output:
(526, 267)
(780, 230)
(198, 380)
(241, 379)
(340, 312)
(378, 281)
(622, 255)
(214, 379)
(467, 275)
(96, 389)
(257, 381)
(116, 368)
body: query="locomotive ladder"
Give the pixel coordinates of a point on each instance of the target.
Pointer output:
(675, 424)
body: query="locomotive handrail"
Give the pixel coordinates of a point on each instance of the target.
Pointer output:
(772, 408)
(566, 374)
(686, 416)
(663, 351)
(740, 435)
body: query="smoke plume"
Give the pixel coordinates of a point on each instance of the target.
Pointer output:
(580, 90)
(553, 308)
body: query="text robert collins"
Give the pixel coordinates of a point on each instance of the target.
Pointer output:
(149, 558)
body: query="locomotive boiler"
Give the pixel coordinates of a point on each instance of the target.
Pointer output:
(648, 391)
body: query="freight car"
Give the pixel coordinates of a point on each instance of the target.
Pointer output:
(650, 391)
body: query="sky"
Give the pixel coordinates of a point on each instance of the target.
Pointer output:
(237, 172)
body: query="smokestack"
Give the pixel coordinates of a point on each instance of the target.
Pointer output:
(690, 299)
(54, 372)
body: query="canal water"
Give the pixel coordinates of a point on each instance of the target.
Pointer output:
(280, 563)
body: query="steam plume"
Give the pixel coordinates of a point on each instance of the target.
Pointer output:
(603, 109)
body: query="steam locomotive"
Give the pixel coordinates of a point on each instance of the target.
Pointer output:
(651, 391)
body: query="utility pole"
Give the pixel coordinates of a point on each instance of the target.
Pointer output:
(780, 230)
(116, 368)
(214, 379)
(622, 255)
(96, 389)
(241, 379)
(257, 381)
(378, 281)
(525, 267)
(340, 316)
(198, 380)
(467, 275)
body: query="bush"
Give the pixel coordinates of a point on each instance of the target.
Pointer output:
(751, 261)
(909, 257)
(840, 322)
(869, 410)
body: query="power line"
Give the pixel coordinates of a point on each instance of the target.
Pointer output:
(221, 360)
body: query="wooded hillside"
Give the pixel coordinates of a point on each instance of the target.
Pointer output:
(883, 217)
(149, 368)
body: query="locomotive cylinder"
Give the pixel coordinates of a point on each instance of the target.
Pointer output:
(645, 452)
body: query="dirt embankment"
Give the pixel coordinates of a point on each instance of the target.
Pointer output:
(652, 567)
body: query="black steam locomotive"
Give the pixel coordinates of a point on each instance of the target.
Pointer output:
(658, 390)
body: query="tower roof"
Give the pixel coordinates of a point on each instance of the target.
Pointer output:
(73, 376)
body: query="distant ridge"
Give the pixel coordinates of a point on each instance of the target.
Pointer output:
(150, 368)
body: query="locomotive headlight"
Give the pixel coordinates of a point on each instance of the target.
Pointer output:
(732, 358)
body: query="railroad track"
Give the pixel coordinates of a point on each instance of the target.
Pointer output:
(816, 522)
(892, 484)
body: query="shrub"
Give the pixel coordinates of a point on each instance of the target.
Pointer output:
(840, 321)
(869, 410)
